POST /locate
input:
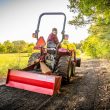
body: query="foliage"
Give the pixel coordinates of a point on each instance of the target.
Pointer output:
(96, 47)
(99, 40)
(90, 11)
(78, 52)
(96, 13)
(30, 48)
(2, 48)
(19, 46)
(90, 46)
(78, 45)
(100, 30)
(8, 45)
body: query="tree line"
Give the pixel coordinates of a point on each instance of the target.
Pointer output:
(16, 47)
(96, 13)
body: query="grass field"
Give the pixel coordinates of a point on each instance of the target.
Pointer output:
(15, 61)
(18, 61)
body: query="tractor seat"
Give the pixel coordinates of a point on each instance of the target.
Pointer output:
(51, 47)
(51, 50)
(51, 44)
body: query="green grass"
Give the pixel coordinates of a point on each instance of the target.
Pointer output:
(18, 61)
(12, 61)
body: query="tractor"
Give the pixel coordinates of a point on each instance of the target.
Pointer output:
(47, 69)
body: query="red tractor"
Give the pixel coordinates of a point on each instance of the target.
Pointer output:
(47, 69)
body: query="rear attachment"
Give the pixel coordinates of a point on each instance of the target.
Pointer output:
(40, 83)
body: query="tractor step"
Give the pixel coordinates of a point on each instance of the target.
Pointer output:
(40, 83)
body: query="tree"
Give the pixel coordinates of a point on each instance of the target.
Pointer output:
(2, 48)
(19, 46)
(8, 45)
(96, 47)
(90, 11)
(30, 48)
(100, 30)
(96, 13)
(103, 33)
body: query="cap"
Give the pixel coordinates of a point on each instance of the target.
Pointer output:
(66, 35)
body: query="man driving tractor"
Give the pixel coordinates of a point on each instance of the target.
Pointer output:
(53, 39)
(53, 36)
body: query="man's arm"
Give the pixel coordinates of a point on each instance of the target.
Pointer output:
(56, 40)
(49, 37)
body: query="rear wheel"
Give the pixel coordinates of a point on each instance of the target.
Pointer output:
(64, 68)
(69, 74)
(32, 58)
(73, 68)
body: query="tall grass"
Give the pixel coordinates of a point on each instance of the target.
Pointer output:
(12, 61)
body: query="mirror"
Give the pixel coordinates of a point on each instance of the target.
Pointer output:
(33, 35)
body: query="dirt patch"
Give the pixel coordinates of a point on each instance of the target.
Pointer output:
(89, 90)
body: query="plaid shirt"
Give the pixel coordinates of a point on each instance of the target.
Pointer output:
(53, 38)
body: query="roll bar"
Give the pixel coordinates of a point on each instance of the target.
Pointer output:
(51, 13)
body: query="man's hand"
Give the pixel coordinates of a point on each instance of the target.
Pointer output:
(37, 60)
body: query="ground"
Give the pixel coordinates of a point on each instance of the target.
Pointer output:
(89, 90)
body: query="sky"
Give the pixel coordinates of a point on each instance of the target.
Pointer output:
(18, 20)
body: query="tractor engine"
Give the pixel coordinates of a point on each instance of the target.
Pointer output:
(51, 54)
(50, 61)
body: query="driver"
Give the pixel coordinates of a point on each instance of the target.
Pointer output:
(53, 37)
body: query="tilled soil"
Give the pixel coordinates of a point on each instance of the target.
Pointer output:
(89, 90)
